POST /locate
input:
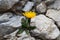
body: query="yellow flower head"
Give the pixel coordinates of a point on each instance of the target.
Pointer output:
(29, 14)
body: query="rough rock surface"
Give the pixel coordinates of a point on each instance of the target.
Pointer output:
(45, 26)
(9, 22)
(28, 6)
(49, 1)
(41, 8)
(54, 14)
(14, 21)
(5, 30)
(5, 17)
(55, 5)
(22, 36)
(9, 19)
(58, 38)
(6, 4)
(46, 20)
(37, 1)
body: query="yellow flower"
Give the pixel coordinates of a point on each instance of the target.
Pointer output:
(29, 14)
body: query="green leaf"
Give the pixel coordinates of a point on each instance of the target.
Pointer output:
(32, 27)
(20, 31)
(27, 32)
(25, 23)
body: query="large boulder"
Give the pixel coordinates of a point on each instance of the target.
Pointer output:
(44, 27)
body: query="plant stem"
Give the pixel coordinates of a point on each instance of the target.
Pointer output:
(29, 21)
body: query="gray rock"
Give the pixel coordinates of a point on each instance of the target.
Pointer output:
(11, 36)
(45, 27)
(22, 36)
(58, 38)
(11, 19)
(49, 1)
(37, 1)
(28, 6)
(5, 30)
(7, 4)
(54, 14)
(9, 23)
(41, 8)
(25, 0)
(14, 21)
(19, 6)
(37, 39)
(5, 16)
(55, 5)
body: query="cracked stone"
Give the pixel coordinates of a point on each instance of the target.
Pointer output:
(45, 27)
(54, 14)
